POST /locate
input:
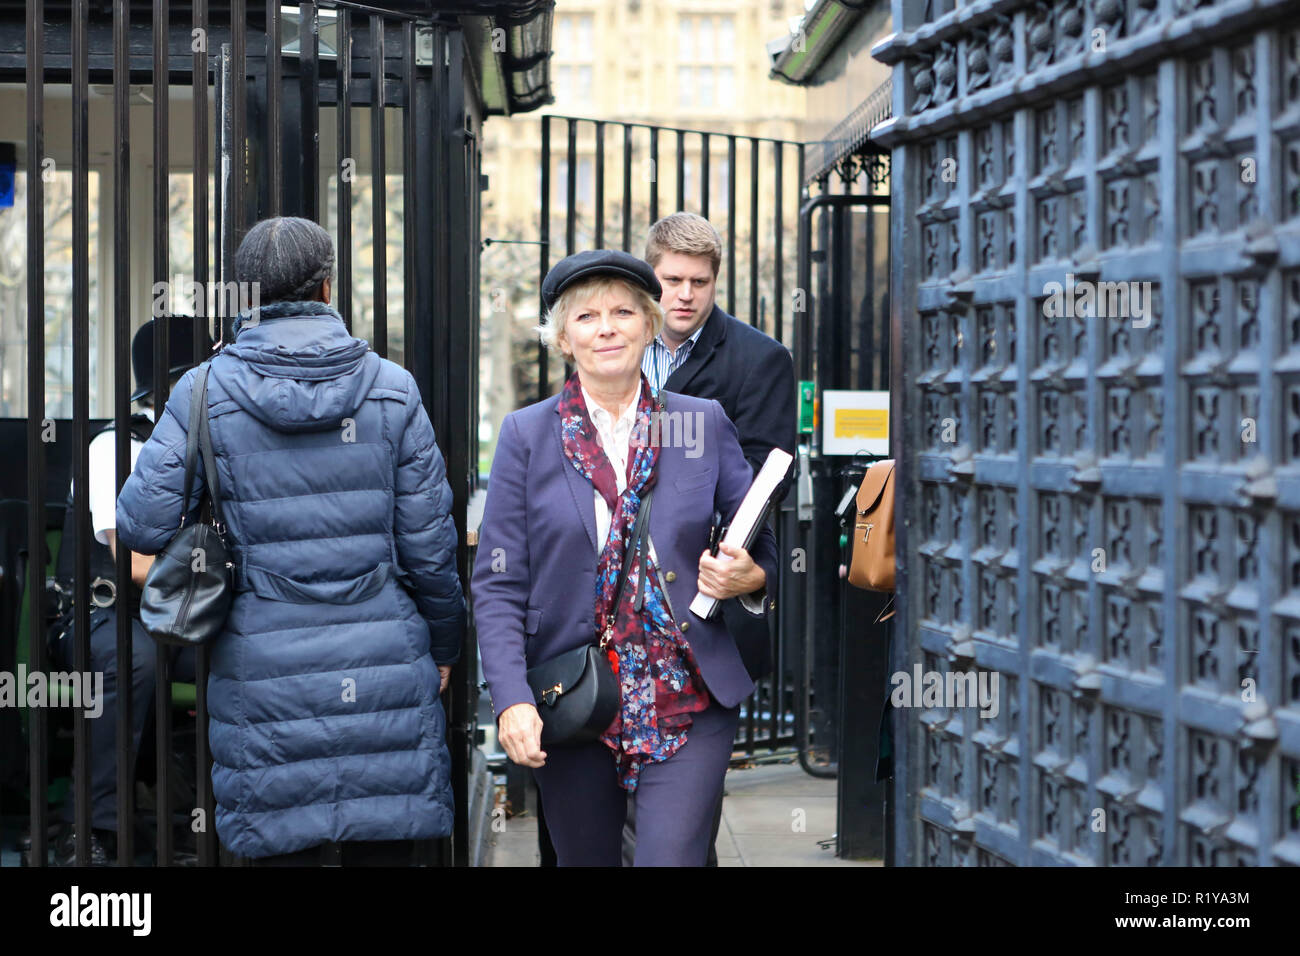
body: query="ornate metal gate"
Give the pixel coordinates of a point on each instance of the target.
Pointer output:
(1097, 330)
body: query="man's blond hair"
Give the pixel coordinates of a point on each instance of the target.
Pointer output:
(686, 234)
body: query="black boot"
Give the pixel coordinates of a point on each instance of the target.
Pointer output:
(103, 848)
(24, 844)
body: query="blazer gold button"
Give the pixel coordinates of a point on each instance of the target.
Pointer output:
(671, 576)
(686, 626)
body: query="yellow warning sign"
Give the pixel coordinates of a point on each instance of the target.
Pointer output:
(861, 423)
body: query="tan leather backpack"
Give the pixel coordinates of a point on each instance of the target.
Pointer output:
(872, 564)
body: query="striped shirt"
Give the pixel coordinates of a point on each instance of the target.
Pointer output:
(658, 363)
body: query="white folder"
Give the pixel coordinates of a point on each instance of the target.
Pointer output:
(749, 517)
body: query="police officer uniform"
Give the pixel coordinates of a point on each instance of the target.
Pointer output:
(109, 597)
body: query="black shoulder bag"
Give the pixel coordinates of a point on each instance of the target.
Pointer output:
(188, 590)
(577, 693)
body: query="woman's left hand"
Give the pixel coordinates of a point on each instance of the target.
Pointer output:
(732, 573)
(444, 671)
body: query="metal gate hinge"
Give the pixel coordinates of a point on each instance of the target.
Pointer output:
(1126, 162)
(961, 464)
(961, 647)
(1261, 244)
(1086, 265)
(1214, 144)
(1258, 490)
(1087, 678)
(1086, 478)
(1128, 583)
(1088, 682)
(959, 291)
(1258, 723)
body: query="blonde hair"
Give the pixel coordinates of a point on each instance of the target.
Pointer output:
(585, 291)
(687, 234)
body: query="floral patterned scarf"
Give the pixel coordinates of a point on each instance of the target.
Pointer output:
(659, 681)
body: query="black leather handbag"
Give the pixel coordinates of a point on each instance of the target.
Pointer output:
(577, 693)
(190, 586)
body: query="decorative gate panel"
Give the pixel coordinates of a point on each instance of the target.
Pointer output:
(1097, 322)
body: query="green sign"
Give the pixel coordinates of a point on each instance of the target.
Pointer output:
(807, 393)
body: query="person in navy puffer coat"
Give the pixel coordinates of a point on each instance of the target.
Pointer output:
(327, 733)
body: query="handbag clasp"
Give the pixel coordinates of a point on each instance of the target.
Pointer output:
(551, 693)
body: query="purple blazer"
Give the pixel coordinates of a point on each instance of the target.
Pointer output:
(534, 582)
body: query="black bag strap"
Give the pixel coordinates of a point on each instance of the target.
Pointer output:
(635, 546)
(210, 462)
(199, 441)
(198, 401)
(643, 548)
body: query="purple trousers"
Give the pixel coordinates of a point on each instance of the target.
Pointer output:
(675, 799)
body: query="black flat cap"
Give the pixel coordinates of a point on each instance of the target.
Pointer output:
(595, 262)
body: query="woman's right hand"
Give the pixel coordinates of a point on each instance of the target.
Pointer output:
(519, 728)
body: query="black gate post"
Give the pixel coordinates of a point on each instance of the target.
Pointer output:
(849, 651)
(454, 325)
(39, 732)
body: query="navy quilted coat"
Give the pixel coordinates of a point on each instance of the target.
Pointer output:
(325, 718)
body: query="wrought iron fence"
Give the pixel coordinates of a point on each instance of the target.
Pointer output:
(257, 101)
(751, 189)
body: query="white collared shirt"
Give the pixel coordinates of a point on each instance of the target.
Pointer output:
(103, 479)
(614, 435)
(659, 363)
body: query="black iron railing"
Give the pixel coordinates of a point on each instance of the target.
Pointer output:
(754, 233)
(257, 109)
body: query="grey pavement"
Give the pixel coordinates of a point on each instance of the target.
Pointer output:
(772, 815)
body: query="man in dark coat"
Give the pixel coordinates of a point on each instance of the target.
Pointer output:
(707, 353)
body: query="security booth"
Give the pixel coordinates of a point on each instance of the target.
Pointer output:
(844, 362)
(140, 142)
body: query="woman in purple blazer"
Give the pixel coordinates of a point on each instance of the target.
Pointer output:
(568, 480)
